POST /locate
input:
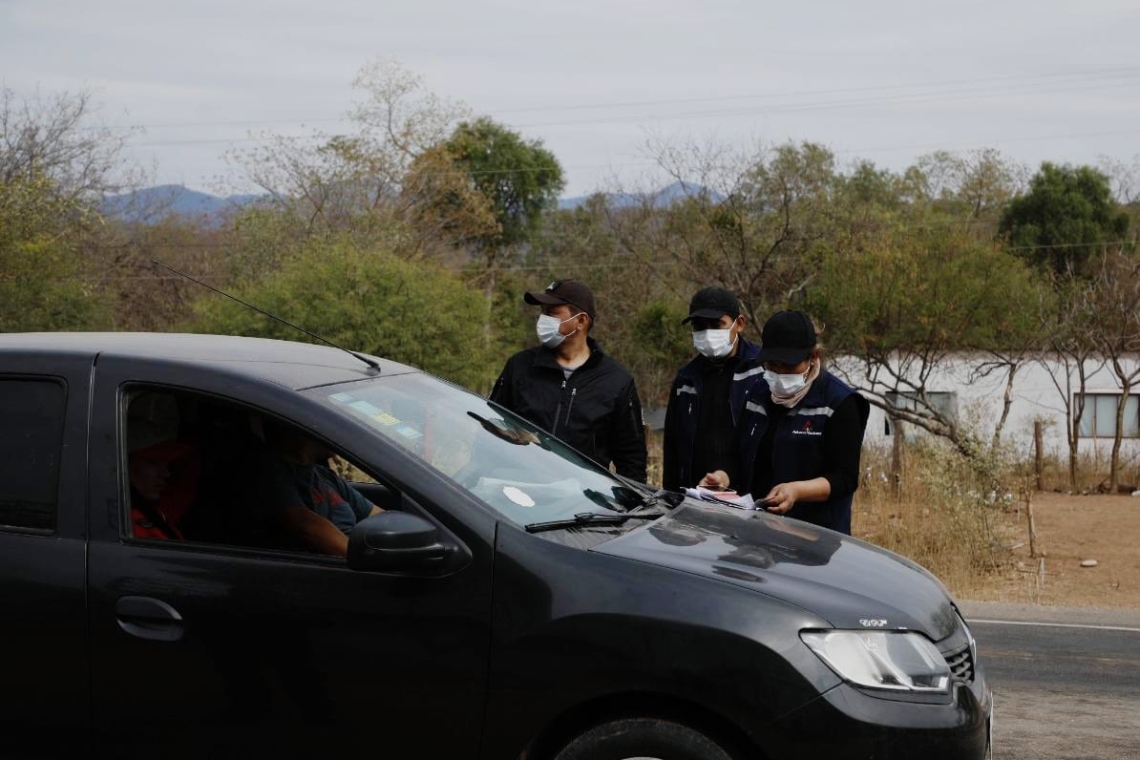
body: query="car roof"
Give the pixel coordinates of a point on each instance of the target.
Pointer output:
(289, 363)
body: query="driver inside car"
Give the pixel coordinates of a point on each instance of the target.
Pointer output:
(304, 502)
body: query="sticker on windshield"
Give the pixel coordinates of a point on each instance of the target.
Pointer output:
(365, 408)
(518, 496)
(409, 432)
(343, 398)
(385, 419)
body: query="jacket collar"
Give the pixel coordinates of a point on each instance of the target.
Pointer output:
(544, 357)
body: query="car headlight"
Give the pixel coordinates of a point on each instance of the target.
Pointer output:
(895, 660)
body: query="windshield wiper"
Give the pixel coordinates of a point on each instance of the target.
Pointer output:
(516, 436)
(639, 497)
(594, 518)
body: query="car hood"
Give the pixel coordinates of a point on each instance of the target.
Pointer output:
(848, 582)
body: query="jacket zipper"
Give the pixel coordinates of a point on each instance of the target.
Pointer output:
(570, 408)
(558, 409)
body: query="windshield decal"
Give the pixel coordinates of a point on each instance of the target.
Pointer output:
(518, 496)
(409, 432)
(365, 408)
(368, 410)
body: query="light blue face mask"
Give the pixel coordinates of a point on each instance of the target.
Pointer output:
(714, 344)
(784, 385)
(548, 332)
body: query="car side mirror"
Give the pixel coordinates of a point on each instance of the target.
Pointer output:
(395, 541)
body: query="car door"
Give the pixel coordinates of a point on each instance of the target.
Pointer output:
(43, 407)
(208, 650)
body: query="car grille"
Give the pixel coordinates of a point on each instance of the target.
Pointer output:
(961, 664)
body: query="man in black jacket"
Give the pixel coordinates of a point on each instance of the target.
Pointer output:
(707, 396)
(568, 387)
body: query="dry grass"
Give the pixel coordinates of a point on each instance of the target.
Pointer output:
(945, 516)
(961, 526)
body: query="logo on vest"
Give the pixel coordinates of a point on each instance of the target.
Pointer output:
(806, 429)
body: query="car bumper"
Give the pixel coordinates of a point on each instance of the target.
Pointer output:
(846, 723)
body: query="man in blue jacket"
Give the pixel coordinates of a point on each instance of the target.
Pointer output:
(707, 396)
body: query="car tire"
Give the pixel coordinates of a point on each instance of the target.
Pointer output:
(642, 738)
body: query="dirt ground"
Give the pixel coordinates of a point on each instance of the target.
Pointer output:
(1071, 529)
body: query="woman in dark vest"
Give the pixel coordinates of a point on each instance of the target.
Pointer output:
(801, 430)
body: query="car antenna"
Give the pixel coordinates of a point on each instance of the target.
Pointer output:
(372, 364)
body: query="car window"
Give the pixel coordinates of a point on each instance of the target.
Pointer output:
(519, 470)
(31, 438)
(203, 470)
(349, 471)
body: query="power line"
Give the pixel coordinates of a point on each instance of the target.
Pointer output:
(837, 105)
(914, 99)
(988, 82)
(997, 141)
(818, 106)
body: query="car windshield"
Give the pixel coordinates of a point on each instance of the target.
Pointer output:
(520, 471)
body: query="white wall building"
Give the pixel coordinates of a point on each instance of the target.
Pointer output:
(976, 401)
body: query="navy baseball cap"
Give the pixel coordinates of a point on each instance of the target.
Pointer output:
(788, 337)
(712, 303)
(570, 291)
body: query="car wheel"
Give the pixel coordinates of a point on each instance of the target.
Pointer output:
(642, 739)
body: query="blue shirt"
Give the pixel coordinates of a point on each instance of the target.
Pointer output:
(320, 490)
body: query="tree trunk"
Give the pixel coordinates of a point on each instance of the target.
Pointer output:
(1007, 402)
(1114, 471)
(1073, 442)
(1075, 426)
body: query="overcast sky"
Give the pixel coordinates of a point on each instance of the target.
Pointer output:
(884, 80)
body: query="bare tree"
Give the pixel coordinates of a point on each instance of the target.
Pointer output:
(58, 137)
(977, 183)
(1019, 342)
(1068, 345)
(1116, 334)
(357, 181)
(749, 220)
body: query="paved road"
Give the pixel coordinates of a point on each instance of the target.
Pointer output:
(1066, 681)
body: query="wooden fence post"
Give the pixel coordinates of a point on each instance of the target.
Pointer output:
(896, 458)
(1032, 525)
(1039, 453)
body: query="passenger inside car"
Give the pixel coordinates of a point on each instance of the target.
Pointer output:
(163, 469)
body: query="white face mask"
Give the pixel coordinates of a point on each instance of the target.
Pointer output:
(547, 330)
(786, 385)
(714, 344)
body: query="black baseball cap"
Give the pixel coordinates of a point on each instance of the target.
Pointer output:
(712, 303)
(788, 337)
(570, 291)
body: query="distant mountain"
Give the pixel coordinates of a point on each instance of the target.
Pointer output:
(662, 198)
(153, 204)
